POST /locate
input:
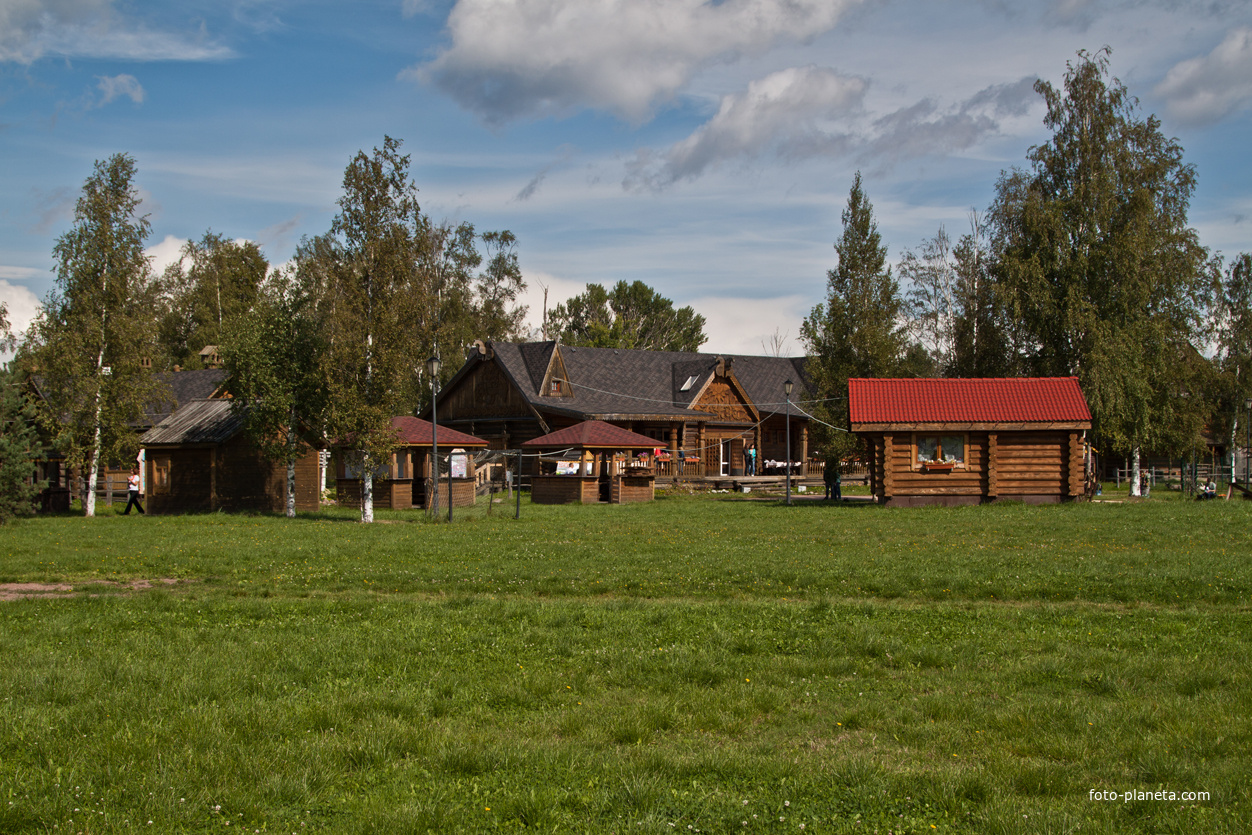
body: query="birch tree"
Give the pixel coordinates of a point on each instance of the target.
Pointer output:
(374, 247)
(97, 328)
(273, 358)
(1096, 262)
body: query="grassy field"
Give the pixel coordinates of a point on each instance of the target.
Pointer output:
(697, 664)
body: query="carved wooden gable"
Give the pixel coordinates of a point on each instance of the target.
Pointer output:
(485, 392)
(556, 381)
(725, 397)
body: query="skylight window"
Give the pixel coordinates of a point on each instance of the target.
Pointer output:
(691, 381)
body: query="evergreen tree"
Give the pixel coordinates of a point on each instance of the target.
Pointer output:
(97, 328)
(858, 331)
(1097, 265)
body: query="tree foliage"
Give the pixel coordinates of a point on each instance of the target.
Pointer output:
(1096, 263)
(858, 331)
(627, 316)
(19, 447)
(97, 327)
(273, 357)
(214, 283)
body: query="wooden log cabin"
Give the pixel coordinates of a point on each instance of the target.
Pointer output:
(199, 459)
(703, 411)
(967, 441)
(593, 462)
(404, 481)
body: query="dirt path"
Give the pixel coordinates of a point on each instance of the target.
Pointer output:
(28, 591)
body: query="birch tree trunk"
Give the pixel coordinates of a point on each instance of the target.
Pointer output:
(1134, 472)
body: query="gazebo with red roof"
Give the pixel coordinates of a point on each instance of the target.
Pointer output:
(591, 462)
(966, 441)
(404, 482)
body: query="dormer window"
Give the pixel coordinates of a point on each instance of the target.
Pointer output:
(554, 388)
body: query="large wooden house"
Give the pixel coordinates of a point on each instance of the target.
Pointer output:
(703, 411)
(199, 459)
(967, 441)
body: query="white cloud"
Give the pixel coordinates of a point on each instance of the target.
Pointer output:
(519, 58)
(1204, 89)
(168, 251)
(23, 306)
(31, 29)
(747, 326)
(807, 112)
(113, 87)
(784, 111)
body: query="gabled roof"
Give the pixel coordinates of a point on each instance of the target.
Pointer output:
(186, 386)
(412, 431)
(1023, 400)
(593, 434)
(195, 422)
(621, 383)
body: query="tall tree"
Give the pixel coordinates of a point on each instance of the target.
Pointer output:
(1097, 264)
(214, 282)
(858, 331)
(1234, 345)
(981, 339)
(375, 244)
(19, 445)
(932, 278)
(498, 287)
(273, 357)
(97, 328)
(628, 316)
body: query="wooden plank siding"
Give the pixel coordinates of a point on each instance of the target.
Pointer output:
(232, 476)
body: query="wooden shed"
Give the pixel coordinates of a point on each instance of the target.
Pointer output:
(199, 459)
(592, 462)
(404, 481)
(966, 441)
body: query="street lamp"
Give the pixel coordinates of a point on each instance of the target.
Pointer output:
(432, 368)
(787, 391)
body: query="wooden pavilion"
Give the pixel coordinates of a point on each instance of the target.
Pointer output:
(404, 481)
(966, 441)
(592, 462)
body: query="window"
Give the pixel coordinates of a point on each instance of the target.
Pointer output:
(554, 388)
(940, 450)
(691, 381)
(160, 475)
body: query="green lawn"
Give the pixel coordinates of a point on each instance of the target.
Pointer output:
(696, 664)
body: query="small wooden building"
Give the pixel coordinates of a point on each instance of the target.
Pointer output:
(199, 459)
(592, 462)
(405, 481)
(966, 441)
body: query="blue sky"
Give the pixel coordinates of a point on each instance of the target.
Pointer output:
(706, 148)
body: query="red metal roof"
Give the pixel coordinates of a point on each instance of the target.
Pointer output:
(411, 431)
(594, 433)
(989, 400)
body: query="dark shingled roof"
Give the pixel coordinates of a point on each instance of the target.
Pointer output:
(620, 383)
(593, 434)
(186, 386)
(195, 422)
(411, 431)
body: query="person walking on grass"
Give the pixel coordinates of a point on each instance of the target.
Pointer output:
(132, 492)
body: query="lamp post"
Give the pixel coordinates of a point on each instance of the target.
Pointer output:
(787, 391)
(432, 368)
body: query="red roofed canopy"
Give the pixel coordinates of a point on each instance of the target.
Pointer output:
(411, 431)
(1055, 402)
(593, 434)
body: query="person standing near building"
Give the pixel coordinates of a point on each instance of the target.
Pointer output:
(132, 492)
(750, 455)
